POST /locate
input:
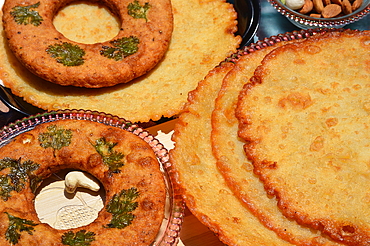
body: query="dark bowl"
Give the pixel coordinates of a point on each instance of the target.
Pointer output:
(249, 13)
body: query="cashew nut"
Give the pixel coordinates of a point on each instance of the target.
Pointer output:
(76, 179)
(294, 4)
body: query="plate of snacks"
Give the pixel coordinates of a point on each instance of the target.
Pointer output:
(281, 153)
(100, 153)
(108, 59)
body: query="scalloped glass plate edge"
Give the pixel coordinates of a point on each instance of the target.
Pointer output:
(304, 21)
(174, 210)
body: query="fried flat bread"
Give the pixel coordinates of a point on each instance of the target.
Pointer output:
(304, 119)
(238, 170)
(204, 189)
(64, 21)
(203, 36)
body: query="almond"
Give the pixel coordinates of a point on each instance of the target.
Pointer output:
(346, 7)
(339, 2)
(315, 15)
(356, 4)
(331, 10)
(318, 5)
(307, 7)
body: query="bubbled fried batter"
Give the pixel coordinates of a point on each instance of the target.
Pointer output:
(140, 44)
(314, 130)
(81, 153)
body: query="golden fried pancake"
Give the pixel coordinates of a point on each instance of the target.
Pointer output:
(205, 191)
(237, 169)
(203, 36)
(105, 27)
(304, 119)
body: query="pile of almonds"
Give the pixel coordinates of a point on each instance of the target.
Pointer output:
(329, 8)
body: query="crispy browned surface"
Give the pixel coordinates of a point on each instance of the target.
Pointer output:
(29, 43)
(141, 170)
(305, 121)
(205, 191)
(43, 234)
(192, 53)
(237, 169)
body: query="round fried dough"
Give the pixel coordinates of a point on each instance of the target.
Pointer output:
(123, 163)
(205, 191)
(304, 119)
(140, 44)
(238, 170)
(162, 92)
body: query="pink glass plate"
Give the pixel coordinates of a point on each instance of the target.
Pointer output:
(171, 225)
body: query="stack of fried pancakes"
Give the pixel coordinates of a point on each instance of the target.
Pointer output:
(272, 149)
(163, 90)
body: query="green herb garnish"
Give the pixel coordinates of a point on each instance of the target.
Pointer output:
(121, 206)
(67, 54)
(122, 48)
(26, 15)
(111, 158)
(55, 138)
(16, 226)
(137, 11)
(6, 187)
(19, 173)
(81, 238)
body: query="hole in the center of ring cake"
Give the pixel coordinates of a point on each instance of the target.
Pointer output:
(63, 210)
(87, 23)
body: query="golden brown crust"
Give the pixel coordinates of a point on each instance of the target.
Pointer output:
(30, 43)
(299, 125)
(205, 191)
(237, 169)
(163, 92)
(140, 170)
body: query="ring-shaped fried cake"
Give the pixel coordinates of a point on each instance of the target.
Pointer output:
(124, 163)
(143, 39)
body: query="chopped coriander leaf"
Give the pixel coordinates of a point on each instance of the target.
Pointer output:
(111, 158)
(16, 226)
(55, 138)
(67, 54)
(19, 173)
(27, 15)
(80, 238)
(5, 187)
(137, 11)
(122, 48)
(120, 221)
(120, 206)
